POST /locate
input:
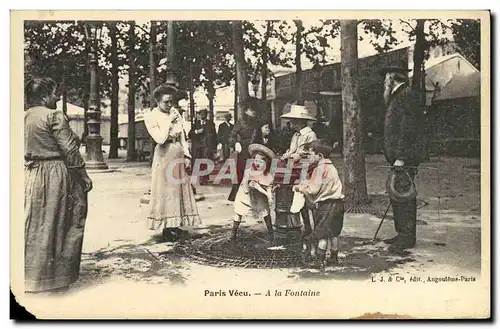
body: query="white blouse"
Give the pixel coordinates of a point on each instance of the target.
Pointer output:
(160, 127)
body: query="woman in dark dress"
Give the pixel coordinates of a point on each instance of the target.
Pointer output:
(265, 136)
(55, 192)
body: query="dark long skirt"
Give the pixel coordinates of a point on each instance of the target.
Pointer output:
(55, 209)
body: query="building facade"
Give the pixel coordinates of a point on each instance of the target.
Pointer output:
(321, 91)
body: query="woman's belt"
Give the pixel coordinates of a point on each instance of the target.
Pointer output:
(31, 162)
(39, 158)
(173, 140)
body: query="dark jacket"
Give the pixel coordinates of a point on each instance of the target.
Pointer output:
(208, 138)
(243, 132)
(403, 138)
(271, 141)
(224, 132)
(322, 131)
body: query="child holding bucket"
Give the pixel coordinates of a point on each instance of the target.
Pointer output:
(324, 193)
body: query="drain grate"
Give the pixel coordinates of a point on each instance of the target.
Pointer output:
(377, 206)
(361, 256)
(249, 252)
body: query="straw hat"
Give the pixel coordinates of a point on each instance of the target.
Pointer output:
(298, 112)
(259, 148)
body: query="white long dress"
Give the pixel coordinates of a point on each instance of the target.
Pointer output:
(172, 199)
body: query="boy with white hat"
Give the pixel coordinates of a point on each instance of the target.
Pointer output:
(299, 116)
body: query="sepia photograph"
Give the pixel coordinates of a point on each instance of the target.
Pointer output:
(251, 165)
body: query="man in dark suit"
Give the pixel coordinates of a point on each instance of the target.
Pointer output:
(403, 149)
(323, 130)
(223, 135)
(204, 138)
(242, 136)
(286, 136)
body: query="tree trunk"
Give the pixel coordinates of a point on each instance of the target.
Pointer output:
(298, 65)
(171, 72)
(114, 143)
(210, 90)
(235, 110)
(264, 82)
(131, 152)
(192, 108)
(264, 71)
(152, 64)
(85, 118)
(64, 93)
(64, 88)
(418, 79)
(211, 96)
(152, 80)
(241, 70)
(265, 103)
(354, 157)
(418, 56)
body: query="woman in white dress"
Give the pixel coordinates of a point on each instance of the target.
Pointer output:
(173, 205)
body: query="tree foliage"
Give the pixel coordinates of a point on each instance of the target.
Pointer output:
(467, 37)
(381, 34)
(315, 39)
(57, 50)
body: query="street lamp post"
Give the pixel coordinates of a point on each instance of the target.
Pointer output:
(171, 71)
(94, 158)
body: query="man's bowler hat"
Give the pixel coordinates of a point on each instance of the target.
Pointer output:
(399, 67)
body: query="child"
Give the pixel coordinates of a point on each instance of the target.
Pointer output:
(324, 192)
(255, 192)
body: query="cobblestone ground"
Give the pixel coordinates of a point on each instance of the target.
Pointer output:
(118, 250)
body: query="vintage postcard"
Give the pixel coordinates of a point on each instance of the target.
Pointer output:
(251, 164)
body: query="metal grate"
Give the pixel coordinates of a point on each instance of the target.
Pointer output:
(377, 206)
(251, 251)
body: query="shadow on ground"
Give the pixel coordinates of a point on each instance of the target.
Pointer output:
(136, 262)
(361, 259)
(166, 262)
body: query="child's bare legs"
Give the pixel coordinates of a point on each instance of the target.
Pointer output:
(308, 247)
(320, 253)
(306, 219)
(307, 250)
(269, 226)
(314, 250)
(333, 243)
(236, 224)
